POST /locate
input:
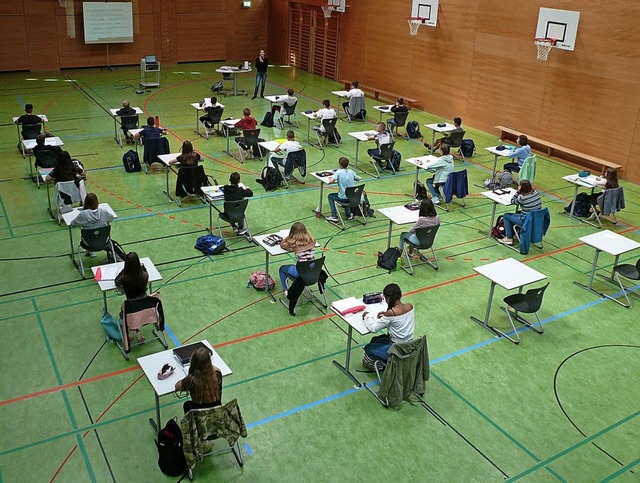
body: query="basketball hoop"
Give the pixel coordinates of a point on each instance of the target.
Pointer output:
(63, 3)
(414, 24)
(327, 9)
(544, 47)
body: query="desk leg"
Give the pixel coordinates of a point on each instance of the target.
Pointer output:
(49, 200)
(115, 129)
(197, 131)
(415, 184)
(495, 166)
(433, 140)
(167, 192)
(345, 369)
(266, 271)
(389, 236)
(357, 149)
(156, 424)
(73, 259)
(104, 300)
(485, 324)
(493, 219)
(308, 130)
(319, 210)
(31, 167)
(573, 201)
(589, 287)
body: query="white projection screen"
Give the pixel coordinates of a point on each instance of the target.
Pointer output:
(108, 22)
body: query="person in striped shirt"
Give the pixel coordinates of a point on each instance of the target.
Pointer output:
(529, 200)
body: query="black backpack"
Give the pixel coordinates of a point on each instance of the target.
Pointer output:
(413, 130)
(389, 259)
(267, 120)
(420, 190)
(171, 458)
(396, 157)
(270, 178)
(467, 148)
(583, 204)
(217, 87)
(131, 161)
(118, 253)
(366, 207)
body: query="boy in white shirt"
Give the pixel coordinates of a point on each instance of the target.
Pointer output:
(325, 112)
(381, 137)
(289, 146)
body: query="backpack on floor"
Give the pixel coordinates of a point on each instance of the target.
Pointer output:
(270, 178)
(420, 190)
(467, 148)
(171, 458)
(361, 116)
(210, 244)
(131, 161)
(267, 120)
(372, 363)
(258, 280)
(111, 326)
(217, 87)
(413, 130)
(118, 253)
(389, 259)
(497, 231)
(396, 157)
(583, 205)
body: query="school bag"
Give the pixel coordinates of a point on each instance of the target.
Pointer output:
(497, 230)
(131, 161)
(217, 87)
(396, 157)
(583, 205)
(413, 130)
(420, 190)
(111, 326)
(258, 280)
(389, 259)
(210, 244)
(267, 120)
(118, 253)
(171, 458)
(270, 178)
(467, 148)
(502, 180)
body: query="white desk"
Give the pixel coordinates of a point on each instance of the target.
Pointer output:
(233, 71)
(69, 216)
(323, 180)
(310, 117)
(166, 160)
(151, 364)
(115, 116)
(270, 146)
(135, 132)
(279, 99)
(421, 162)
(201, 106)
(41, 116)
(498, 153)
(361, 136)
(509, 274)
(43, 173)
(383, 110)
(611, 243)
(29, 144)
(354, 321)
(498, 199)
(271, 251)
(226, 126)
(108, 273)
(398, 215)
(589, 182)
(341, 95)
(213, 194)
(439, 129)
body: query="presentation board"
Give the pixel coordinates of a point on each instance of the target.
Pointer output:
(107, 22)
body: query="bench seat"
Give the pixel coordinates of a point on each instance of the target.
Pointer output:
(381, 94)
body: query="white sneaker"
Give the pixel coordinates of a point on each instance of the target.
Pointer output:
(243, 231)
(435, 200)
(351, 217)
(332, 219)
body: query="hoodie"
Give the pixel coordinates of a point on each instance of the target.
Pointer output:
(442, 167)
(92, 219)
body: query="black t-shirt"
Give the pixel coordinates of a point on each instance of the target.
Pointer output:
(27, 119)
(234, 192)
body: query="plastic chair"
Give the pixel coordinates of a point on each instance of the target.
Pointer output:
(190, 180)
(296, 159)
(251, 140)
(127, 123)
(528, 303)
(74, 192)
(632, 272)
(534, 228)
(213, 119)
(45, 158)
(426, 237)
(611, 201)
(354, 202)
(288, 111)
(383, 159)
(457, 184)
(329, 126)
(94, 240)
(454, 140)
(310, 272)
(201, 425)
(29, 131)
(235, 213)
(136, 313)
(355, 108)
(153, 148)
(399, 120)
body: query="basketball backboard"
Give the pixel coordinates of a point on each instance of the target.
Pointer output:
(340, 5)
(561, 25)
(427, 9)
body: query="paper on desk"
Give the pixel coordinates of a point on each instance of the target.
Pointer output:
(348, 306)
(106, 273)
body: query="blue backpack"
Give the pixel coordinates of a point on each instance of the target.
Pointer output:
(210, 244)
(413, 130)
(131, 161)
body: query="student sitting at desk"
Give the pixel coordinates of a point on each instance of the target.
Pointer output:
(124, 111)
(398, 319)
(529, 200)
(381, 137)
(399, 106)
(210, 112)
(325, 112)
(134, 278)
(150, 131)
(203, 383)
(65, 169)
(234, 192)
(609, 182)
(41, 146)
(289, 146)
(28, 119)
(303, 245)
(427, 216)
(355, 91)
(457, 122)
(92, 216)
(345, 178)
(188, 156)
(442, 167)
(522, 152)
(246, 123)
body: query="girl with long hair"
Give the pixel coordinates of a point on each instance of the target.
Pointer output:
(302, 244)
(203, 383)
(134, 278)
(427, 216)
(188, 156)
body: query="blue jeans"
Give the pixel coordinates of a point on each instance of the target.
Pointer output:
(378, 347)
(332, 204)
(407, 236)
(287, 271)
(261, 78)
(511, 219)
(434, 187)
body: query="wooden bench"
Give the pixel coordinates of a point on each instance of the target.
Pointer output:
(381, 94)
(557, 151)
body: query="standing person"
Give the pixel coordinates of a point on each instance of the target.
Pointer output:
(397, 107)
(303, 245)
(381, 137)
(427, 216)
(150, 131)
(398, 319)
(355, 91)
(134, 278)
(234, 192)
(124, 111)
(28, 119)
(188, 156)
(345, 178)
(92, 216)
(441, 168)
(529, 200)
(522, 152)
(446, 139)
(262, 64)
(203, 383)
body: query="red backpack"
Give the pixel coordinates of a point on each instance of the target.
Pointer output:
(258, 280)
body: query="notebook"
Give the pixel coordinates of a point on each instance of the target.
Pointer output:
(348, 306)
(183, 353)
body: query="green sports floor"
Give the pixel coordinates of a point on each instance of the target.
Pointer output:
(562, 406)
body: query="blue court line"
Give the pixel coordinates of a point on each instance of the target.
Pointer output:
(171, 335)
(20, 100)
(245, 446)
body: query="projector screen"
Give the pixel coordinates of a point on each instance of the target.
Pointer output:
(108, 22)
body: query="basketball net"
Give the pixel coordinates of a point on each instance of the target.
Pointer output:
(414, 24)
(63, 3)
(544, 47)
(326, 10)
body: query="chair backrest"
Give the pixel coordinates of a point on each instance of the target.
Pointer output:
(386, 151)
(191, 179)
(612, 200)
(129, 122)
(406, 372)
(457, 184)
(455, 139)
(426, 236)
(251, 136)
(310, 270)
(354, 195)
(31, 131)
(329, 126)
(235, 210)
(528, 168)
(296, 159)
(96, 239)
(356, 104)
(45, 158)
(69, 188)
(215, 115)
(140, 312)
(153, 148)
(289, 109)
(534, 299)
(400, 117)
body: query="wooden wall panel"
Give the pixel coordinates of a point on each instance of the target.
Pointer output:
(248, 33)
(43, 52)
(202, 43)
(14, 54)
(12, 8)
